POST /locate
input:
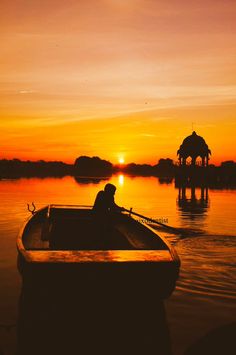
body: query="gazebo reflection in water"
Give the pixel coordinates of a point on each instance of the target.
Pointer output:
(191, 203)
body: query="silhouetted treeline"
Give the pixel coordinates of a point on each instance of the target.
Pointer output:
(17, 168)
(86, 166)
(136, 169)
(165, 167)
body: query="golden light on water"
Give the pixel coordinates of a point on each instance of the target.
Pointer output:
(121, 180)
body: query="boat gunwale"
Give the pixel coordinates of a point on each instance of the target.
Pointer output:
(32, 256)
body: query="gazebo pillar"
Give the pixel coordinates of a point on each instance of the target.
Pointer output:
(193, 162)
(203, 161)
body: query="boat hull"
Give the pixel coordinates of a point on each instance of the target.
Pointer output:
(133, 270)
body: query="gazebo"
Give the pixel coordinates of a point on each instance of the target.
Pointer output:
(193, 146)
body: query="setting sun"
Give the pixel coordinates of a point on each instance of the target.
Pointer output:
(121, 160)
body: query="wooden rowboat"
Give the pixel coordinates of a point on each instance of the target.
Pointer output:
(59, 241)
(82, 293)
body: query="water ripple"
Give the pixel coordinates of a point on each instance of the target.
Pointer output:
(208, 266)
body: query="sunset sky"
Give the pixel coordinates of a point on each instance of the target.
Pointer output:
(116, 78)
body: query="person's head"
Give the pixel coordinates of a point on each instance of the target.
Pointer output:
(110, 189)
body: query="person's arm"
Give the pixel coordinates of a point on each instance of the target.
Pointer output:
(115, 207)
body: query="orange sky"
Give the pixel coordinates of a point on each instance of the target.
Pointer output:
(116, 78)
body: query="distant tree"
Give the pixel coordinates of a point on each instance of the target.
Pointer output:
(165, 163)
(165, 167)
(228, 164)
(138, 169)
(92, 166)
(228, 171)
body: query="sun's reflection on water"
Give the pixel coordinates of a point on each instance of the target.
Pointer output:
(121, 180)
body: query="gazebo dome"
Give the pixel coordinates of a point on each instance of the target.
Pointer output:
(194, 146)
(194, 140)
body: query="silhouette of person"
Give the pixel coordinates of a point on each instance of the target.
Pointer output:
(104, 203)
(104, 211)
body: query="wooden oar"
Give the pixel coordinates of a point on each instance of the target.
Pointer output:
(173, 229)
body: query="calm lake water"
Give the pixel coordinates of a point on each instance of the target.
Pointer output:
(205, 293)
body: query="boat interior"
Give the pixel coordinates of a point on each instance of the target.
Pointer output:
(67, 228)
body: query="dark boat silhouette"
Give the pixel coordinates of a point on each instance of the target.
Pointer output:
(83, 296)
(65, 238)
